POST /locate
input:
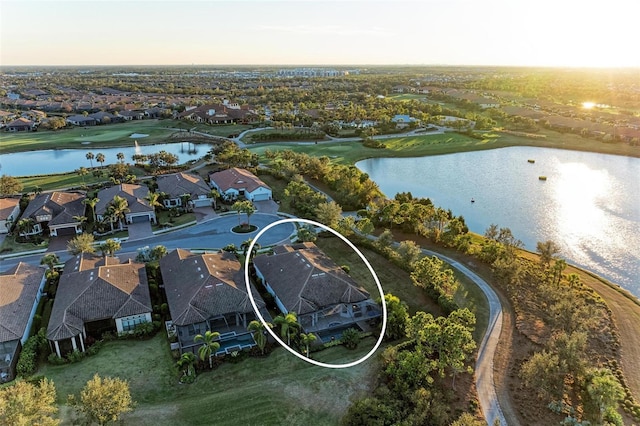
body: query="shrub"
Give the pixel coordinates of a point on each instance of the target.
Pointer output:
(54, 359)
(350, 338)
(28, 361)
(75, 356)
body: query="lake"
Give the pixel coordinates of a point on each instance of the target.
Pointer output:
(67, 160)
(589, 203)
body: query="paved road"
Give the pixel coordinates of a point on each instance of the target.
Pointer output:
(485, 384)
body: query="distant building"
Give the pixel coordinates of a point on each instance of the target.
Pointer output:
(233, 183)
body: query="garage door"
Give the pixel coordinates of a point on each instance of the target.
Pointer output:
(138, 219)
(261, 197)
(66, 231)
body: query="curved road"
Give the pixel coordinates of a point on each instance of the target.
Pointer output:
(485, 385)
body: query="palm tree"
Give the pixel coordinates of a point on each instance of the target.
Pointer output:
(245, 246)
(25, 225)
(81, 219)
(288, 325)
(120, 157)
(81, 172)
(51, 260)
(91, 202)
(154, 200)
(214, 195)
(100, 159)
(209, 345)
(118, 208)
(90, 157)
(158, 252)
(109, 247)
(244, 207)
(258, 331)
(186, 361)
(306, 340)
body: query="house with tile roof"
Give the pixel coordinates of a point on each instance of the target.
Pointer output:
(304, 280)
(20, 291)
(208, 292)
(139, 208)
(95, 295)
(225, 113)
(9, 212)
(234, 183)
(179, 185)
(20, 125)
(55, 212)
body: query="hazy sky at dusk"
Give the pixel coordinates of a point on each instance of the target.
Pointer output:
(456, 32)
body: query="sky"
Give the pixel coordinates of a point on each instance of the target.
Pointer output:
(574, 33)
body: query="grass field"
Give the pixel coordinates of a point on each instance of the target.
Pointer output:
(107, 136)
(448, 143)
(278, 389)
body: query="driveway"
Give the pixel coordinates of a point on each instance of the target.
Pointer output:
(59, 243)
(204, 213)
(139, 230)
(267, 206)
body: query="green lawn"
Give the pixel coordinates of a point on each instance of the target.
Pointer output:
(448, 143)
(279, 389)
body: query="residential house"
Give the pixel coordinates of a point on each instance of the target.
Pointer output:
(304, 280)
(208, 292)
(20, 291)
(81, 120)
(102, 117)
(131, 115)
(139, 208)
(179, 185)
(402, 121)
(233, 183)
(21, 125)
(225, 113)
(6, 116)
(9, 212)
(56, 211)
(96, 295)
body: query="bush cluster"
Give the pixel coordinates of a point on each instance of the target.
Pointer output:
(28, 361)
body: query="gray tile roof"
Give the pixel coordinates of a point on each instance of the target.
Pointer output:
(134, 194)
(91, 290)
(19, 287)
(202, 286)
(178, 184)
(306, 280)
(62, 206)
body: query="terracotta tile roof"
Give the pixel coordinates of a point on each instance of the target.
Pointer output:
(19, 287)
(178, 184)
(111, 290)
(307, 280)
(7, 205)
(21, 122)
(202, 286)
(237, 179)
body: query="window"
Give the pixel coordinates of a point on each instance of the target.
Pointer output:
(129, 323)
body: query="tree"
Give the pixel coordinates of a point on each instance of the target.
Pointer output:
(83, 243)
(109, 247)
(288, 325)
(25, 403)
(409, 252)
(51, 260)
(104, 400)
(9, 185)
(306, 340)
(120, 157)
(209, 345)
(329, 213)
(547, 251)
(467, 419)
(186, 362)
(92, 202)
(100, 159)
(158, 252)
(25, 225)
(117, 209)
(306, 233)
(258, 331)
(605, 391)
(246, 207)
(397, 317)
(90, 156)
(154, 200)
(81, 220)
(82, 171)
(214, 195)
(245, 247)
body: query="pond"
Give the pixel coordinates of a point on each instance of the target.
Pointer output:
(589, 203)
(52, 161)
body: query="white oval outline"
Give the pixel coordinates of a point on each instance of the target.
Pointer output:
(274, 335)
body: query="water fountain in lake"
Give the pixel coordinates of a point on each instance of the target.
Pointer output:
(138, 151)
